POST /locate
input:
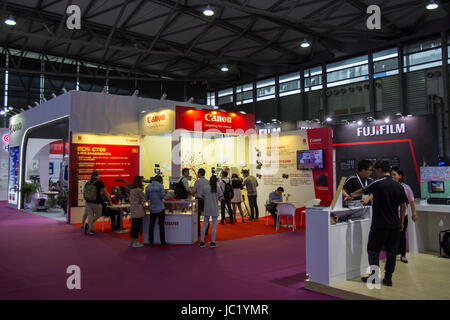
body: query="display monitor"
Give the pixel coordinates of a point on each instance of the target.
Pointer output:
(310, 160)
(436, 187)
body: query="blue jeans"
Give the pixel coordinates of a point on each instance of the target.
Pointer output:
(206, 225)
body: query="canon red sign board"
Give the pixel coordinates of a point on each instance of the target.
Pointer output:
(192, 119)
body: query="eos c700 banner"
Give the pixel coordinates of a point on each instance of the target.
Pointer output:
(112, 161)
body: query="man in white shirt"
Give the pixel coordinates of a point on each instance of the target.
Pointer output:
(185, 180)
(197, 190)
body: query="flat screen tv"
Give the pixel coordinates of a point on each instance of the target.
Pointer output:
(310, 160)
(436, 187)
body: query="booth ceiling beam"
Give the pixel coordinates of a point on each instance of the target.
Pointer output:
(172, 38)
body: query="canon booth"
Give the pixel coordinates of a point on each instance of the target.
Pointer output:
(123, 136)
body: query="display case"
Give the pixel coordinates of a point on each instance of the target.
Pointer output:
(180, 223)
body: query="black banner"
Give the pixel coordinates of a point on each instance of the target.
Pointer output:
(409, 143)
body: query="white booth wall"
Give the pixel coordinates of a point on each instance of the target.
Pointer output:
(278, 154)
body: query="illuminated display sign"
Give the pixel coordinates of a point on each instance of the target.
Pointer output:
(158, 122)
(192, 119)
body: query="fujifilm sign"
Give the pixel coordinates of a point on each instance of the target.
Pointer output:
(380, 130)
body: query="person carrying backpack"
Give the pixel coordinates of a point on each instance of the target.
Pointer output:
(182, 190)
(92, 193)
(228, 192)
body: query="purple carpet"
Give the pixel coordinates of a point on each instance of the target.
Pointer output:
(35, 253)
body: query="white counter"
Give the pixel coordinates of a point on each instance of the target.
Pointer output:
(432, 218)
(180, 229)
(337, 252)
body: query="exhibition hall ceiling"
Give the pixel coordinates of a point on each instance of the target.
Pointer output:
(174, 39)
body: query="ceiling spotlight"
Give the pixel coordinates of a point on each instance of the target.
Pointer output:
(329, 119)
(360, 123)
(135, 93)
(224, 68)
(53, 95)
(2, 113)
(22, 109)
(243, 112)
(191, 100)
(10, 21)
(305, 44)
(64, 90)
(432, 5)
(258, 121)
(274, 120)
(370, 119)
(29, 107)
(105, 89)
(36, 103)
(164, 96)
(387, 120)
(216, 107)
(208, 11)
(409, 115)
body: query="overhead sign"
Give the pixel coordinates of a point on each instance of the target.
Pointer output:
(157, 122)
(82, 138)
(380, 130)
(192, 119)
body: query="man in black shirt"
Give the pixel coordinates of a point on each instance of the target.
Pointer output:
(360, 180)
(388, 195)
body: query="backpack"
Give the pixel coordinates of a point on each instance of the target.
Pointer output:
(90, 192)
(228, 193)
(180, 190)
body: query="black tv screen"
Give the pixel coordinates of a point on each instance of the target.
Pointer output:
(310, 160)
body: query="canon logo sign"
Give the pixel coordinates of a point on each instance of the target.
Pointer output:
(215, 118)
(380, 130)
(156, 118)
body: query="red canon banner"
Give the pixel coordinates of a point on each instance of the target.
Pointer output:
(192, 119)
(321, 138)
(112, 161)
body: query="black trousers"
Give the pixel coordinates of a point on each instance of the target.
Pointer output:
(200, 210)
(114, 215)
(272, 208)
(162, 229)
(136, 226)
(402, 243)
(389, 238)
(254, 212)
(226, 203)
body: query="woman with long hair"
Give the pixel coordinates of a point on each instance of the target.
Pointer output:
(399, 176)
(137, 210)
(236, 202)
(211, 195)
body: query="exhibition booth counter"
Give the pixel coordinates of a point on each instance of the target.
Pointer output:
(180, 223)
(432, 219)
(336, 243)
